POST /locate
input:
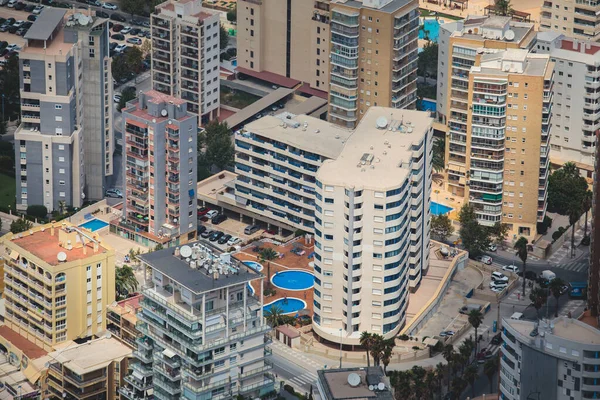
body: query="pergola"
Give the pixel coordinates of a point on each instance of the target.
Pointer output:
(520, 16)
(462, 4)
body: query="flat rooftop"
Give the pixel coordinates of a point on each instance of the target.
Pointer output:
(466, 28)
(206, 257)
(46, 23)
(90, 356)
(214, 184)
(46, 241)
(564, 328)
(30, 349)
(335, 383)
(513, 61)
(378, 152)
(389, 7)
(302, 131)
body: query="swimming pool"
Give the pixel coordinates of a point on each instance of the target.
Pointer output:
(430, 29)
(293, 280)
(94, 224)
(439, 209)
(428, 105)
(254, 265)
(290, 305)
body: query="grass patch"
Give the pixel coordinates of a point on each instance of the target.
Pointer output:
(7, 191)
(428, 13)
(236, 99)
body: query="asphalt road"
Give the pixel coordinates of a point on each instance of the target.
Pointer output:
(293, 373)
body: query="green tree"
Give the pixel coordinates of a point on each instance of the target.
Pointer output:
(470, 375)
(125, 281)
(449, 355)
(458, 386)
(119, 68)
(538, 297)
(37, 211)
(274, 316)
(266, 255)
(10, 93)
(232, 15)
(159, 247)
(133, 7)
(441, 227)
(565, 186)
(475, 319)
(133, 59)
(365, 341)
(427, 61)
(439, 153)
(521, 252)
(223, 38)
(20, 225)
(587, 204)
(3, 125)
(556, 288)
(503, 7)
(475, 238)
(489, 369)
(574, 212)
(499, 232)
(215, 148)
(127, 95)
(62, 207)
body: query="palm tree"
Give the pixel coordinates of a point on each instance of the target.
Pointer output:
(475, 319)
(449, 355)
(570, 169)
(458, 386)
(62, 206)
(521, 248)
(538, 297)
(556, 288)
(125, 281)
(431, 383)
(439, 375)
(267, 254)
(502, 7)
(365, 341)
(574, 211)
(386, 356)
(587, 204)
(465, 350)
(377, 347)
(489, 369)
(439, 151)
(471, 373)
(418, 376)
(274, 316)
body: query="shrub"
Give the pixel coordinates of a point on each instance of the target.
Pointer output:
(558, 233)
(424, 337)
(37, 210)
(289, 389)
(299, 232)
(585, 241)
(416, 348)
(403, 337)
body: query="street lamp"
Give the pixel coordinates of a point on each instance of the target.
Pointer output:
(341, 341)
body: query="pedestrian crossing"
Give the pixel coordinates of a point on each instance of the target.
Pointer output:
(305, 380)
(576, 266)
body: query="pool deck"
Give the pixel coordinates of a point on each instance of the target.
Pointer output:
(441, 196)
(288, 262)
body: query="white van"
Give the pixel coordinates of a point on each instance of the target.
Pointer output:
(517, 316)
(548, 275)
(499, 277)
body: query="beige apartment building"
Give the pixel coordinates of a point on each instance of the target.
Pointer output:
(579, 19)
(363, 53)
(497, 106)
(59, 279)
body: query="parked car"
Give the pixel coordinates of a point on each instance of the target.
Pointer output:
(116, 98)
(202, 211)
(250, 229)
(224, 239)
(497, 339)
(126, 30)
(499, 277)
(115, 193)
(485, 259)
(13, 47)
(112, 45)
(134, 40)
(117, 27)
(233, 241)
(21, 6)
(102, 14)
(38, 10)
(3, 3)
(446, 333)
(468, 308)
(21, 31)
(216, 235)
(206, 234)
(29, 7)
(120, 48)
(143, 34)
(201, 229)
(3, 44)
(211, 214)
(12, 3)
(511, 268)
(117, 17)
(492, 247)
(13, 29)
(218, 219)
(498, 286)
(32, 17)
(109, 6)
(134, 31)
(118, 36)
(528, 275)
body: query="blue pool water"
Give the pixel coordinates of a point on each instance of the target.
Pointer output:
(428, 105)
(94, 224)
(254, 265)
(430, 29)
(290, 305)
(293, 280)
(439, 209)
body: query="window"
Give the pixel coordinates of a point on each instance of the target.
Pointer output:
(58, 106)
(61, 159)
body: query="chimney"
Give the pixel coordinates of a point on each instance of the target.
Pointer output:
(176, 253)
(52, 230)
(171, 110)
(142, 102)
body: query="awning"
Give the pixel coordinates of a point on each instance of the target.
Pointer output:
(32, 373)
(137, 375)
(168, 353)
(14, 255)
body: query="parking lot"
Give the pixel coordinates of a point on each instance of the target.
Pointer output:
(231, 227)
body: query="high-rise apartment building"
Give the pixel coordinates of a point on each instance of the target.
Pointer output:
(556, 360)
(372, 226)
(160, 170)
(277, 158)
(121, 320)
(579, 19)
(94, 369)
(59, 280)
(204, 333)
(364, 53)
(185, 55)
(497, 105)
(575, 98)
(66, 116)
(593, 297)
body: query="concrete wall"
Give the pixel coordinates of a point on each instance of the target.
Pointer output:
(538, 374)
(62, 183)
(52, 118)
(38, 76)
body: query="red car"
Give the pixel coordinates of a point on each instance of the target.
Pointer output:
(202, 211)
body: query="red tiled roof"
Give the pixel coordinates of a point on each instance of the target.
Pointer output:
(270, 77)
(288, 331)
(136, 123)
(571, 45)
(30, 349)
(306, 89)
(133, 302)
(155, 96)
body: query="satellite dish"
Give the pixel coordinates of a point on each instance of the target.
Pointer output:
(371, 388)
(108, 335)
(163, 113)
(62, 256)
(82, 19)
(381, 122)
(509, 35)
(380, 386)
(185, 251)
(353, 379)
